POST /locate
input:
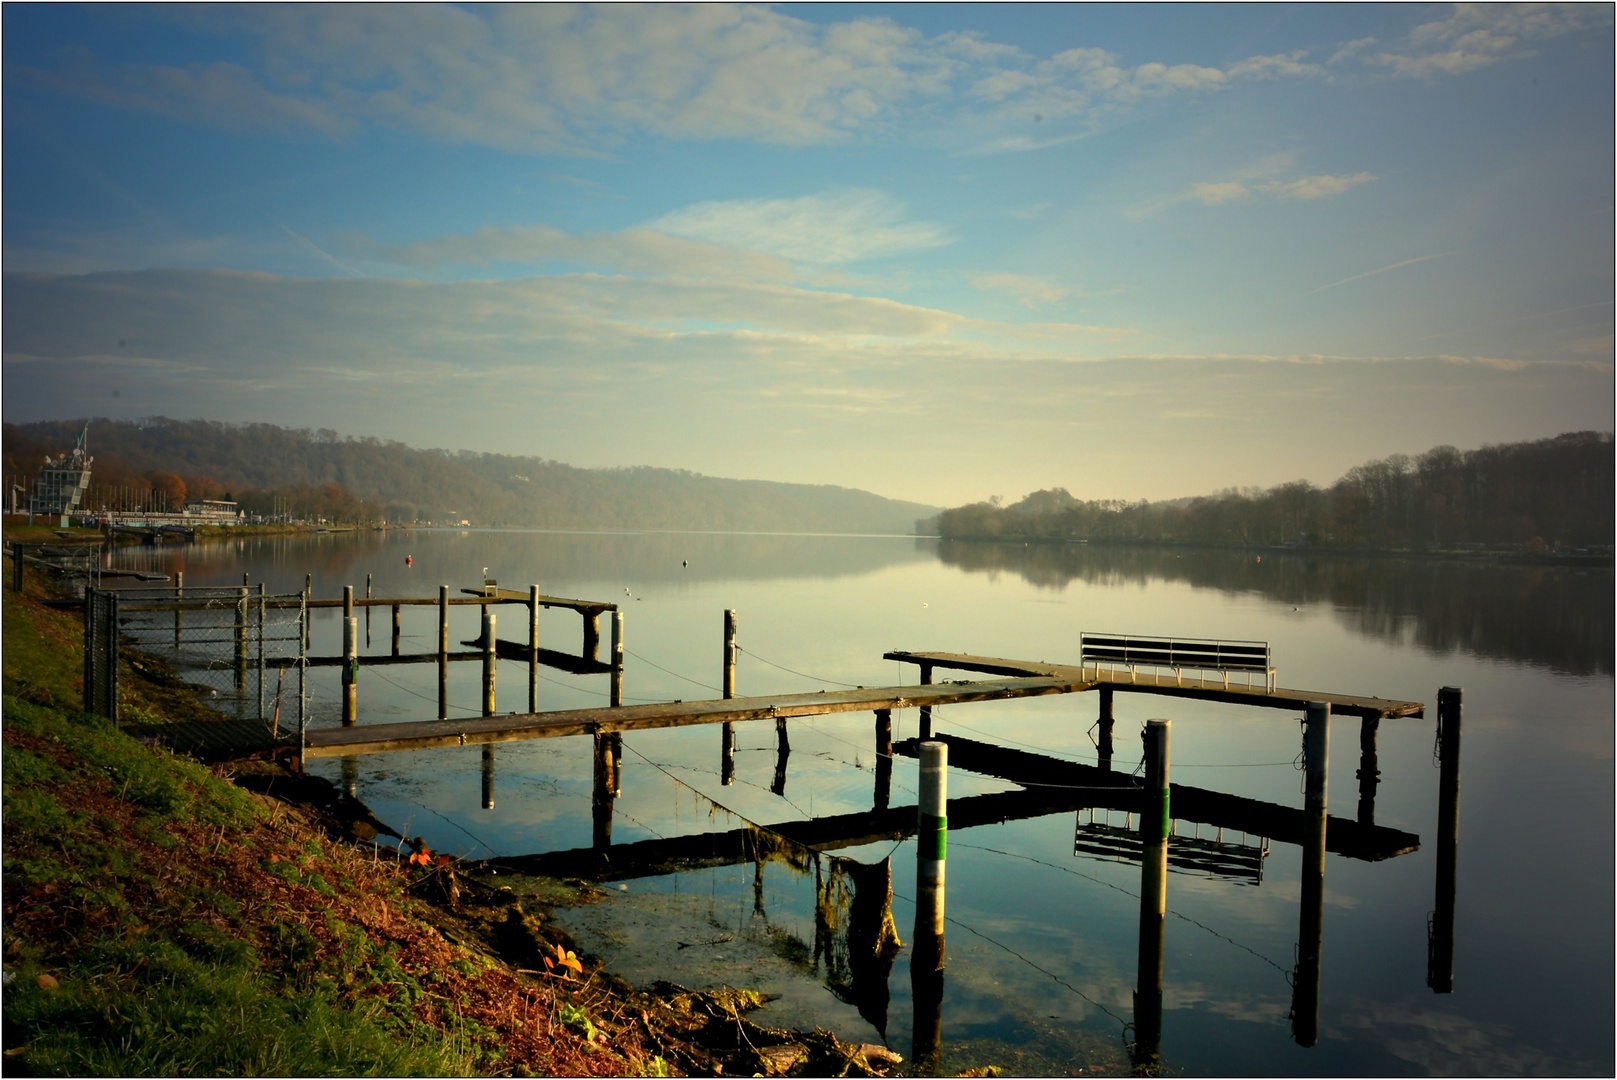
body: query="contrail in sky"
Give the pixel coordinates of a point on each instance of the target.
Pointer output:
(312, 246)
(1373, 273)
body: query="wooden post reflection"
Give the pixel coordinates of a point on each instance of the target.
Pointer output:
(783, 750)
(1369, 775)
(1154, 819)
(1311, 917)
(603, 790)
(488, 776)
(727, 738)
(926, 710)
(443, 652)
(350, 777)
(927, 947)
(1440, 933)
(533, 648)
(884, 758)
(1103, 741)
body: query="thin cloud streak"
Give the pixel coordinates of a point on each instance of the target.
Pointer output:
(1383, 270)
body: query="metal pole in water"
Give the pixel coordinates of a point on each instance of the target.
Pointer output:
(927, 950)
(488, 661)
(1155, 816)
(616, 696)
(727, 738)
(350, 670)
(1440, 944)
(1311, 916)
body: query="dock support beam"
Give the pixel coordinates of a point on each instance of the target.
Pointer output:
(615, 697)
(1103, 741)
(1311, 917)
(1440, 942)
(727, 683)
(927, 948)
(926, 710)
(489, 661)
(1155, 815)
(1369, 776)
(350, 658)
(488, 776)
(884, 758)
(533, 648)
(443, 652)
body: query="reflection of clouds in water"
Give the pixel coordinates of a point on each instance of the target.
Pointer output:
(1442, 1044)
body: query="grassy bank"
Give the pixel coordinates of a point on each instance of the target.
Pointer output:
(162, 917)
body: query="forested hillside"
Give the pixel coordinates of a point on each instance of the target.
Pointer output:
(1550, 494)
(343, 478)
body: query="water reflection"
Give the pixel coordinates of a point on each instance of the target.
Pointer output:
(1532, 614)
(855, 937)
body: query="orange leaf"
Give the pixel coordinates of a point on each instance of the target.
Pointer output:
(443, 860)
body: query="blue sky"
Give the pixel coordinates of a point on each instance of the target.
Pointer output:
(941, 253)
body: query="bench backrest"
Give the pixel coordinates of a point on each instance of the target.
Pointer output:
(1176, 652)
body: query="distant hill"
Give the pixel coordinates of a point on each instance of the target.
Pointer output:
(344, 478)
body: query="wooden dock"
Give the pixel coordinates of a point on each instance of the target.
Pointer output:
(1027, 679)
(1373, 708)
(427, 734)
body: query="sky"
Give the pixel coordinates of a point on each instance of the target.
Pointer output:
(942, 253)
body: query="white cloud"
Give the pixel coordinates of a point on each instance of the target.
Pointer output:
(563, 79)
(1478, 35)
(633, 251)
(1217, 193)
(828, 229)
(1031, 291)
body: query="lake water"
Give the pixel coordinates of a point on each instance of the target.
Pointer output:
(1043, 937)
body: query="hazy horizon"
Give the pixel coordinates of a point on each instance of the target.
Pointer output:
(938, 253)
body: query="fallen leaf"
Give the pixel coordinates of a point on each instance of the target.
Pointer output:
(47, 982)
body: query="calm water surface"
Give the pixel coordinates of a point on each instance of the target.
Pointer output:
(1042, 942)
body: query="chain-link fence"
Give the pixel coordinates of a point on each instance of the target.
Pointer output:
(242, 647)
(76, 566)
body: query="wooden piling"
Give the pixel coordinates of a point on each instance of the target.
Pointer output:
(926, 710)
(1155, 817)
(615, 694)
(533, 648)
(443, 652)
(367, 611)
(179, 596)
(727, 682)
(308, 594)
(1311, 914)
(488, 776)
(489, 661)
(592, 635)
(241, 635)
(395, 629)
(1440, 946)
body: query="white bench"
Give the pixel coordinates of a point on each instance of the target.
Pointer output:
(1179, 654)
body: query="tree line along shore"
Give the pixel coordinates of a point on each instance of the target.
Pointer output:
(1548, 496)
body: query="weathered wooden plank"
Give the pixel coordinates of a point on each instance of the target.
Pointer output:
(425, 734)
(1260, 696)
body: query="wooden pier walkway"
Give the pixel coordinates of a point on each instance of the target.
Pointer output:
(1189, 687)
(1029, 679)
